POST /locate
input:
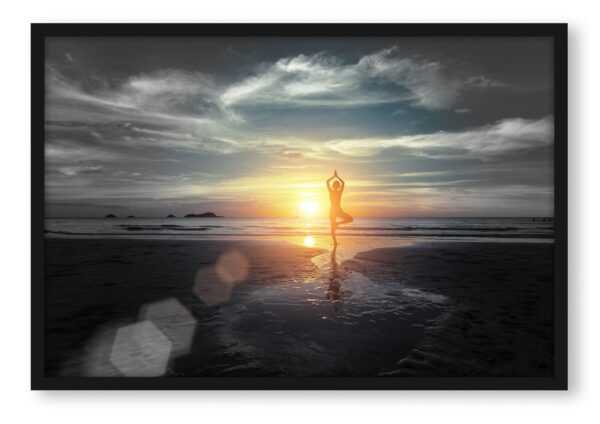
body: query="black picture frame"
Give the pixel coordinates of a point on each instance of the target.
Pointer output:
(556, 31)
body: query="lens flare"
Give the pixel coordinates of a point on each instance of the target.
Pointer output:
(232, 267)
(174, 321)
(141, 350)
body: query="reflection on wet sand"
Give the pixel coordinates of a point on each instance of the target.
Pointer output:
(333, 291)
(309, 241)
(248, 308)
(276, 307)
(336, 320)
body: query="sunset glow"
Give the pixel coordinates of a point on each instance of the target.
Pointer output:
(413, 131)
(308, 208)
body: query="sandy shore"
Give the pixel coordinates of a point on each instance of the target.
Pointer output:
(500, 322)
(245, 308)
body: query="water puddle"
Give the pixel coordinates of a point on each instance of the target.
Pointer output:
(339, 322)
(333, 321)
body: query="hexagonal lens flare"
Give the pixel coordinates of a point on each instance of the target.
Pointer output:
(232, 267)
(141, 350)
(214, 285)
(175, 322)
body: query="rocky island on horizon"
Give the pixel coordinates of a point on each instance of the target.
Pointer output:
(202, 215)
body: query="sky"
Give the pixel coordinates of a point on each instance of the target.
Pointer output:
(252, 127)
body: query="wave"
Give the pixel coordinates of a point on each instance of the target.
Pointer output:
(313, 233)
(441, 228)
(166, 227)
(419, 228)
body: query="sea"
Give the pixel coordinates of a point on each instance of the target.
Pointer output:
(533, 229)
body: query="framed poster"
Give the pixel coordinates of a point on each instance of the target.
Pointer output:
(286, 206)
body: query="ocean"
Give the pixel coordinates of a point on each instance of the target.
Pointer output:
(533, 229)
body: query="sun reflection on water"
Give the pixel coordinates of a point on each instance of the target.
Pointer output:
(309, 241)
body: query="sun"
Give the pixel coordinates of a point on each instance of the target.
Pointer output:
(308, 208)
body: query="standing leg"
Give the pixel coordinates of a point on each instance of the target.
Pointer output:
(333, 224)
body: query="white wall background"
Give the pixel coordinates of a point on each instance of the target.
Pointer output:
(580, 403)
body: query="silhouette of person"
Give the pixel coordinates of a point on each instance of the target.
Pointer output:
(335, 186)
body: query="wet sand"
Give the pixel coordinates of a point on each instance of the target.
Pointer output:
(500, 321)
(138, 307)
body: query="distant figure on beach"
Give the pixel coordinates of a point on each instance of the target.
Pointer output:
(336, 189)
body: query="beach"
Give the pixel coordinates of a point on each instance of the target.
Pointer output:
(161, 307)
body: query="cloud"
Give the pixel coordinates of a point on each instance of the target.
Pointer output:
(168, 96)
(69, 152)
(169, 91)
(176, 109)
(431, 84)
(166, 109)
(481, 81)
(324, 80)
(292, 154)
(159, 136)
(313, 80)
(507, 135)
(76, 170)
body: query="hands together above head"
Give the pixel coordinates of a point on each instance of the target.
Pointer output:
(335, 176)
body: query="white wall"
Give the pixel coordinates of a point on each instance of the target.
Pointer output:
(300, 407)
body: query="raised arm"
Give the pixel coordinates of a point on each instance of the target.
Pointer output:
(341, 181)
(329, 181)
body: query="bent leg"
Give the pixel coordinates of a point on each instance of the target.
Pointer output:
(346, 218)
